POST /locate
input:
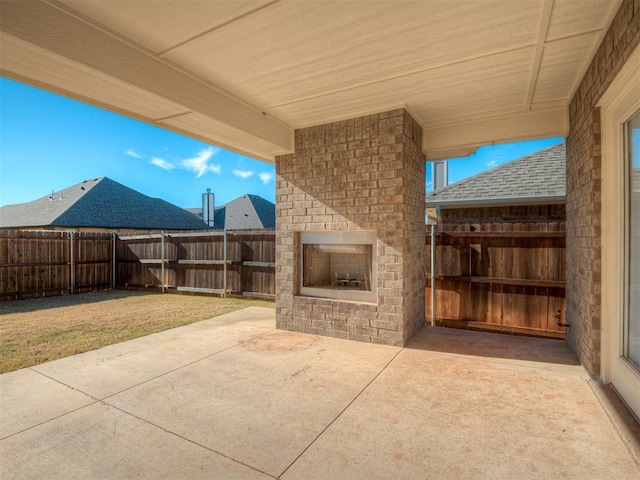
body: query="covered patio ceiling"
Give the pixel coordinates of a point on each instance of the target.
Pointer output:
(244, 74)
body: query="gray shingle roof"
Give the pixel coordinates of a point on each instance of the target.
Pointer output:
(102, 203)
(534, 179)
(245, 212)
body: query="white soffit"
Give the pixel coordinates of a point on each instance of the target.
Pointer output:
(438, 95)
(570, 18)
(560, 59)
(243, 74)
(337, 46)
(161, 25)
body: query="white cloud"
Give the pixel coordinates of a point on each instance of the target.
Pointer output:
(242, 173)
(266, 177)
(133, 153)
(159, 162)
(492, 163)
(200, 163)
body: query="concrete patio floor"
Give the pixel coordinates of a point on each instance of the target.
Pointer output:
(231, 397)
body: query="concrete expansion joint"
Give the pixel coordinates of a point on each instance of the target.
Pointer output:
(187, 364)
(170, 432)
(342, 411)
(95, 401)
(104, 400)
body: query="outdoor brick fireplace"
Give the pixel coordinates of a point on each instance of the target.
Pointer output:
(339, 265)
(350, 230)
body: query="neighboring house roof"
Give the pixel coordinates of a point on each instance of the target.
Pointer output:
(245, 212)
(538, 178)
(99, 203)
(197, 211)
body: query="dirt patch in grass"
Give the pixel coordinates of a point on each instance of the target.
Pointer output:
(44, 329)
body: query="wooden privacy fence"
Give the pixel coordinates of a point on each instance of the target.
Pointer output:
(501, 277)
(47, 263)
(508, 277)
(233, 262)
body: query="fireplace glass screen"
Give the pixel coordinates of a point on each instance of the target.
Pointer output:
(338, 264)
(341, 267)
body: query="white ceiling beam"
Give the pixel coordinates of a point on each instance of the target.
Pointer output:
(462, 139)
(52, 27)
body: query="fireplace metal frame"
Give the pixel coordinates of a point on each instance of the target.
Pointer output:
(359, 237)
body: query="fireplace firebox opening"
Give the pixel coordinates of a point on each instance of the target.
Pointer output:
(339, 265)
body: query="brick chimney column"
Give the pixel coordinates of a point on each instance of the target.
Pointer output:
(363, 174)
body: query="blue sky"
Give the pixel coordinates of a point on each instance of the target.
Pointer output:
(49, 142)
(491, 156)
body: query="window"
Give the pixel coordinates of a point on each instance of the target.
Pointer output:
(631, 334)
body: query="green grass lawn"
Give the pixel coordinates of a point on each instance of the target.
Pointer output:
(43, 329)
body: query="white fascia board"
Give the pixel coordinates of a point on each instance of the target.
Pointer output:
(460, 139)
(493, 202)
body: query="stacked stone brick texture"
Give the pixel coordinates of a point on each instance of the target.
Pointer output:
(505, 214)
(584, 178)
(366, 173)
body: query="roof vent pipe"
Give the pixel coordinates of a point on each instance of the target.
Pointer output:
(208, 208)
(439, 174)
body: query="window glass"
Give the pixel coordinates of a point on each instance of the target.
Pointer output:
(632, 320)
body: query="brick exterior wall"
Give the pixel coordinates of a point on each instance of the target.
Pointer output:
(367, 173)
(505, 214)
(584, 173)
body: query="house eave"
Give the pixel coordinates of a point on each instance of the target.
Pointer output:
(493, 202)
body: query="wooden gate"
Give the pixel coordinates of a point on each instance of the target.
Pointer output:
(506, 277)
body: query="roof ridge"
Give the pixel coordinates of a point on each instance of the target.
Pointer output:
(73, 204)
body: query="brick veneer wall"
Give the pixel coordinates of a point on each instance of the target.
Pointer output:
(505, 214)
(584, 174)
(367, 173)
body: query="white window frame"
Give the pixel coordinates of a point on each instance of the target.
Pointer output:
(618, 104)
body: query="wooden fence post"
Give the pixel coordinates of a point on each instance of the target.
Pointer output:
(72, 266)
(433, 275)
(113, 261)
(224, 265)
(162, 260)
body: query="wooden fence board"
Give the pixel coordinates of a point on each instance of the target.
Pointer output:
(196, 262)
(38, 263)
(485, 276)
(494, 305)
